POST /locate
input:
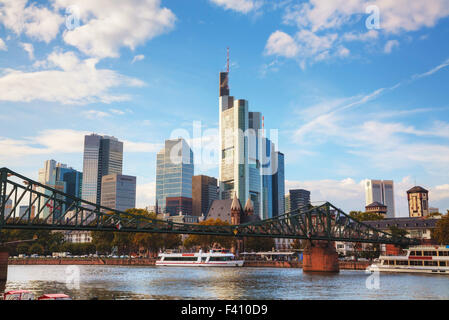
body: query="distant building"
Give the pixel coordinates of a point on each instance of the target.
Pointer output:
(77, 236)
(377, 208)
(8, 207)
(177, 205)
(416, 227)
(174, 172)
(279, 185)
(418, 202)
(381, 191)
(103, 155)
(287, 203)
(151, 209)
(433, 210)
(118, 191)
(204, 191)
(231, 211)
(299, 199)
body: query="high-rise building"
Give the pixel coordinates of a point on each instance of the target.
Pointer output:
(246, 157)
(118, 191)
(299, 199)
(381, 191)
(204, 191)
(279, 185)
(418, 202)
(174, 172)
(287, 204)
(103, 155)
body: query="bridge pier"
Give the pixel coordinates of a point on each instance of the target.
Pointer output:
(3, 267)
(320, 256)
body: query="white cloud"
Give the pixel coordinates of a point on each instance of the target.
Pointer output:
(64, 79)
(138, 57)
(35, 21)
(280, 43)
(95, 114)
(59, 141)
(106, 26)
(3, 46)
(242, 6)
(28, 47)
(390, 45)
(145, 194)
(318, 22)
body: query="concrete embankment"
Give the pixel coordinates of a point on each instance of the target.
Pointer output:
(344, 265)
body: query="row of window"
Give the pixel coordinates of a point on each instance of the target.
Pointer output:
(430, 253)
(414, 263)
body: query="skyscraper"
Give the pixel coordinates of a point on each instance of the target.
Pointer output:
(418, 202)
(204, 191)
(381, 191)
(299, 198)
(246, 157)
(118, 191)
(174, 172)
(103, 155)
(279, 185)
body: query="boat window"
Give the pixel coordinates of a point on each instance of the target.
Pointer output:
(220, 258)
(427, 253)
(442, 263)
(413, 253)
(416, 263)
(431, 263)
(444, 253)
(180, 259)
(418, 253)
(402, 263)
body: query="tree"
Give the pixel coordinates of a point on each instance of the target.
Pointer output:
(23, 248)
(207, 242)
(365, 216)
(36, 248)
(441, 232)
(258, 243)
(397, 232)
(298, 244)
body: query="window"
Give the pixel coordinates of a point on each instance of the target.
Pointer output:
(442, 263)
(220, 258)
(431, 263)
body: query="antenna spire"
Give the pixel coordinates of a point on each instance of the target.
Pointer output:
(227, 59)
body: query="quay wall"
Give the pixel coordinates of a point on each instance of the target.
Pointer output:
(344, 265)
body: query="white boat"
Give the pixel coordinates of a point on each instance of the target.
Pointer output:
(213, 258)
(420, 259)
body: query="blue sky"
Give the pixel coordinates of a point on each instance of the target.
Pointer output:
(351, 99)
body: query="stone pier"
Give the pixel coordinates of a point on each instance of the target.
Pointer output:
(3, 264)
(320, 256)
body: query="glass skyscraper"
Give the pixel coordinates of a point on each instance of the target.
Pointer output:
(103, 155)
(279, 185)
(174, 172)
(118, 191)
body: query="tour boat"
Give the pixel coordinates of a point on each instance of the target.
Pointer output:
(420, 259)
(213, 258)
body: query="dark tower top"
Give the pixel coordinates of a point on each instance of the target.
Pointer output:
(224, 85)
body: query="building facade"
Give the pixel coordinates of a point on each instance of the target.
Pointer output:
(118, 191)
(279, 185)
(418, 202)
(377, 208)
(103, 155)
(299, 199)
(381, 191)
(204, 191)
(174, 172)
(246, 157)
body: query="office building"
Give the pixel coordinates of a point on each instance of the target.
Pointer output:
(204, 191)
(174, 172)
(279, 185)
(246, 157)
(103, 155)
(418, 202)
(118, 191)
(381, 191)
(299, 199)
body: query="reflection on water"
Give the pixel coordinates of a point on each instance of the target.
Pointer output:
(123, 282)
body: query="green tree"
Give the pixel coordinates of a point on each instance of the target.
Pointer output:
(23, 248)
(365, 216)
(258, 243)
(36, 248)
(207, 242)
(441, 232)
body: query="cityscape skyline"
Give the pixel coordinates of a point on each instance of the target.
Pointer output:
(335, 110)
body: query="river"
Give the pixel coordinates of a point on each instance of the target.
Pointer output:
(128, 282)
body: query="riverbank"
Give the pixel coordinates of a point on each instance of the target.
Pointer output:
(344, 265)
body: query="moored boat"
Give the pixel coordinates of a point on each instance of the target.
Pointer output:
(419, 259)
(213, 258)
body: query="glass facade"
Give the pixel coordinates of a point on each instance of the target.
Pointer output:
(103, 155)
(299, 198)
(279, 185)
(118, 192)
(174, 172)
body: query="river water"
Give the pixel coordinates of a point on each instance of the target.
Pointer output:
(132, 282)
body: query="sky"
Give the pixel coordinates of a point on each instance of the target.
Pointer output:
(355, 89)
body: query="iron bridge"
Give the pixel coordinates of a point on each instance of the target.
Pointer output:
(52, 209)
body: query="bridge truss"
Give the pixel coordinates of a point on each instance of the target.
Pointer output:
(44, 207)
